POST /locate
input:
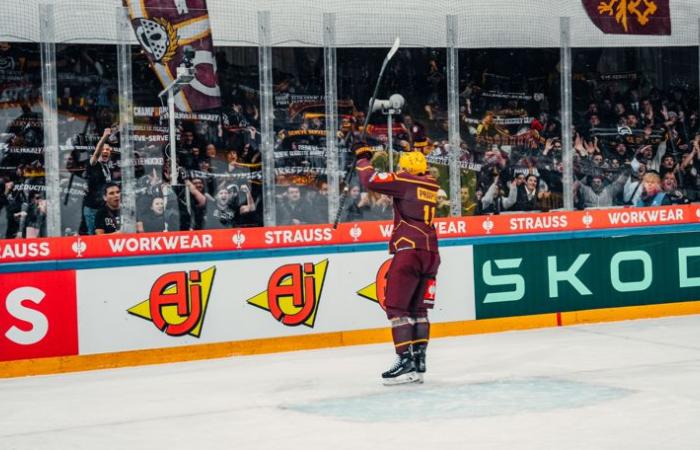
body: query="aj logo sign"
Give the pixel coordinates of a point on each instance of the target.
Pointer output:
(293, 293)
(178, 302)
(377, 290)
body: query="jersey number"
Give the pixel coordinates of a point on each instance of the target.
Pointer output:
(428, 214)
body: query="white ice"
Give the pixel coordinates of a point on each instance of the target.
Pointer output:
(625, 385)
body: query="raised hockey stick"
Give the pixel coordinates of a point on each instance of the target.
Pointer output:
(348, 175)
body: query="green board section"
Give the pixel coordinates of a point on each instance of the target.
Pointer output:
(555, 276)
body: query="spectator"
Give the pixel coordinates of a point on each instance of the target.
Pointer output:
(443, 207)
(598, 194)
(668, 164)
(652, 194)
(98, 174)
(375, 206)
(108, 218)
(318, 199)
(669, 185)
(226, 210)
(201, 201)
(293, 210)
(215, 163)
(353, 212)
(492, 200)
(153, 220)
(14, 201)
(633, 185)
(468, 206)
(36, 216)
(690, 171)
(523, 196)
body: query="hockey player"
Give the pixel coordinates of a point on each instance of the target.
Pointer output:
(410, 289)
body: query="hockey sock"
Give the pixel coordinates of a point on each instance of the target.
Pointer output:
(402, 333)
(421, 332)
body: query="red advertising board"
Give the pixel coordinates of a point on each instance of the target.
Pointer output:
(348, 233)
(38, 315)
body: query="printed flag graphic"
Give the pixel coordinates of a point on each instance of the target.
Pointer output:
(630, 16)
(169, 31)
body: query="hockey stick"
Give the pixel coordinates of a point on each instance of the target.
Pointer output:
(348, 175)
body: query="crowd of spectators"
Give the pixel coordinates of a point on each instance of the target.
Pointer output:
(628, 128)
(636, 141)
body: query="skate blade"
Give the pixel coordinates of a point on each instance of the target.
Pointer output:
(406, 378)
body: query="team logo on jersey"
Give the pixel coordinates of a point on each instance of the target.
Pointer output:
(293, 293)
(376, 291)
(178, 302)
(383, 177)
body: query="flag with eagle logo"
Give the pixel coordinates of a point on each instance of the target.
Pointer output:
(165, 29)
(630, 16)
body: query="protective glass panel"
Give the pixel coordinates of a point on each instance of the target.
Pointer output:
(300, 141)
(511, 154)
(412, 102)
(88, 109)
(636, 116)
(217, 178)
(217, 152)
(22, 192)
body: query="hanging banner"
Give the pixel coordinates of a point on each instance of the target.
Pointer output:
(630, 16)
(178, 34)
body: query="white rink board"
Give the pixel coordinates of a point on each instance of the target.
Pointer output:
(105, 295)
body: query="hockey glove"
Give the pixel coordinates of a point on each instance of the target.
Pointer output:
(362, 150)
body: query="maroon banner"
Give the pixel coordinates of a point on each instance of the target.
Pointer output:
(173, 34)
(630, 16)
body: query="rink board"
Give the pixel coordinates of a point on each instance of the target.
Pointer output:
(252, 299)
(130, 312)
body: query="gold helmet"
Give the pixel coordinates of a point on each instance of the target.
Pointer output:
(413, 162)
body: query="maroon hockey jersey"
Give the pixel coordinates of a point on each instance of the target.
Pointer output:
(415, 197)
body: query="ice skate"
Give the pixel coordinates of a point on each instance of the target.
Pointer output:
(419, 362)
(403, 371)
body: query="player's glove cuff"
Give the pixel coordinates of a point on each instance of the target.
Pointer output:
(363, 152)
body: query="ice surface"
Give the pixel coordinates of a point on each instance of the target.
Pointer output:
(415, 402)
(627, 385)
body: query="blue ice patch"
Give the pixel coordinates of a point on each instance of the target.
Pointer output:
(492, 398)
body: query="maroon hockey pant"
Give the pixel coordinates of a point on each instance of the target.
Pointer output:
(408, 275)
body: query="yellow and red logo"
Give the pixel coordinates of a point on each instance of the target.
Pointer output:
(293, 293)
(178, 302)
(376, 291)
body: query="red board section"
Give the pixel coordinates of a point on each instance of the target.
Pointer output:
(348, 233)
(38, 315)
